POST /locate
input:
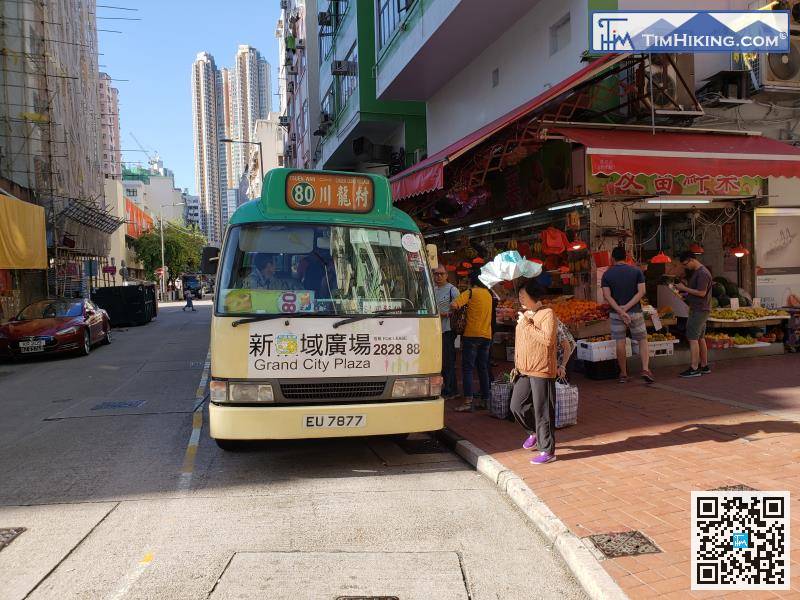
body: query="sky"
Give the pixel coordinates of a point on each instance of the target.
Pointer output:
(155, 55)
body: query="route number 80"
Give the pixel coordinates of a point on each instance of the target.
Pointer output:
(303, 193)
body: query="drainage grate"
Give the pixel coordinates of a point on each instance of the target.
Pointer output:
(624, 543)
(734, 488)
(7, 535)
(118, 405)
(422, 446)
(197, 364)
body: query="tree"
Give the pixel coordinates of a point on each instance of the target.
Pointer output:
(182, 249)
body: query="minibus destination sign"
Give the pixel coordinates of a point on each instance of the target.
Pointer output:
(309, 190)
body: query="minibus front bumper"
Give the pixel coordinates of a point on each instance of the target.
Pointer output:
(324, 421)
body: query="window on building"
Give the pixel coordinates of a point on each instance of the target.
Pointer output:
(328, 104)
(348, 84)
(337, 10)
(391, 13)
(131, 192)
(560, 34)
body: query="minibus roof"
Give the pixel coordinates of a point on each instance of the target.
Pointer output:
(274, 203)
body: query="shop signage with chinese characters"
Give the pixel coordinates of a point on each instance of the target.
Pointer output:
(639, 184)
(313, 348)
(306, 190)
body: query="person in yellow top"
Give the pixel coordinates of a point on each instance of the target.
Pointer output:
(476, 341)
(533, 400)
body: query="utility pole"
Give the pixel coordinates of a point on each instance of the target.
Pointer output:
(163, 266)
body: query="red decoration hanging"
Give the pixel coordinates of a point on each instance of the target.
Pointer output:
(740, 251)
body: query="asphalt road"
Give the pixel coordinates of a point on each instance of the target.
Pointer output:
(98, 462)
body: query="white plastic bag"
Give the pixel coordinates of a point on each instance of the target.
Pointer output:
(508, 266)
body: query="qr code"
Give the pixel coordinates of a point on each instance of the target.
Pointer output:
(740, 540)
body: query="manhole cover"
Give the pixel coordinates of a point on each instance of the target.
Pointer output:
(118, 405)
(422, 446)
(7, 535)
(624, 543)
(734, 488)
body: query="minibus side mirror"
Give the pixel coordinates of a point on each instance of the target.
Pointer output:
(209, 261)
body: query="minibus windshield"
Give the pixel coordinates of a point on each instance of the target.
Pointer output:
(323, 270)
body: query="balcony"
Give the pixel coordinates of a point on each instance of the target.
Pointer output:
(424, 46)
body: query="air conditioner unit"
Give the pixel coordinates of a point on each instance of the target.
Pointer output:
(344, 67)
(293, 137)
(371, 154)
(779, 71)
(667, 85)
(292, 70)
(284, 4)
(283, 120)
(290, 87)
(324, 19)
(300, 44)
(325, 119)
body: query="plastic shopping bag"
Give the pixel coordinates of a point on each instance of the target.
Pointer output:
(508, 266)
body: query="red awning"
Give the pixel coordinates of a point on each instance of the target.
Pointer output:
(684, 153)
(428, 175)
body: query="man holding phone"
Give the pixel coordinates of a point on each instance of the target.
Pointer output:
(698, 299)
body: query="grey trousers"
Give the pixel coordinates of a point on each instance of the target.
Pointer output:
(533, 404)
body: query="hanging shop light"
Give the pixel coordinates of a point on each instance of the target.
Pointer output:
(462, 273)
(466, 265)
(739, 251)
(660, 258)
(577, 244)
(478, 261)
(696, 248)
(450, 268)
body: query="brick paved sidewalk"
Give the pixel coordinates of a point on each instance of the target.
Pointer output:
(638, 451)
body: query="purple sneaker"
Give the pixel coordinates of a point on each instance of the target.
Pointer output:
(543, 458)
(529, 443)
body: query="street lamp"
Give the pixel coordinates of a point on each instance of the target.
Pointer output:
(163, 266)
(260, 153)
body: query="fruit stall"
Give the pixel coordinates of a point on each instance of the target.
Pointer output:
(747, 327)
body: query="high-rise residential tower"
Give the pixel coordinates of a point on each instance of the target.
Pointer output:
(227, 116)
(252, 100)
(109, 128)
(210, 178)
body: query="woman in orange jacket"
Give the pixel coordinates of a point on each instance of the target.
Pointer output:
(533, 400)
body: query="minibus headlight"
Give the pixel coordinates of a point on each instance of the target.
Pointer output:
(218, 391)
(251, 393)
(417, 387)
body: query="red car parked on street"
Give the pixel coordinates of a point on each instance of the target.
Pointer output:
(53, 326)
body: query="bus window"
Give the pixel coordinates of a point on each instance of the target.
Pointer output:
(328, 269)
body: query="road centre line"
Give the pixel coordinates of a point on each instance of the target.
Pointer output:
(185, 480)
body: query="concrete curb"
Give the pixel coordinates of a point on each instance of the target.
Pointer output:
(594, 579)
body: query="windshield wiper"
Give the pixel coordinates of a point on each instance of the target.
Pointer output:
(238, 322)
(257, 318)
(385, 311)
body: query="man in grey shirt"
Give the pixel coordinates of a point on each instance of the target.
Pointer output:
(446, 292)
(698, 299)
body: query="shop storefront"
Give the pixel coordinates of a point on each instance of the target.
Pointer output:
(23, 254)
(567, 193)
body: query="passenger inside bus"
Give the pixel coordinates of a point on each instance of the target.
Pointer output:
(263, 275)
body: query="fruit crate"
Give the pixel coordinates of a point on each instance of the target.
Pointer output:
(600, 351)
(659, 348)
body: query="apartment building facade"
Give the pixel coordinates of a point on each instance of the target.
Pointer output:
(357, 130)
(109, 128)
(209, 163)
(300, 44)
